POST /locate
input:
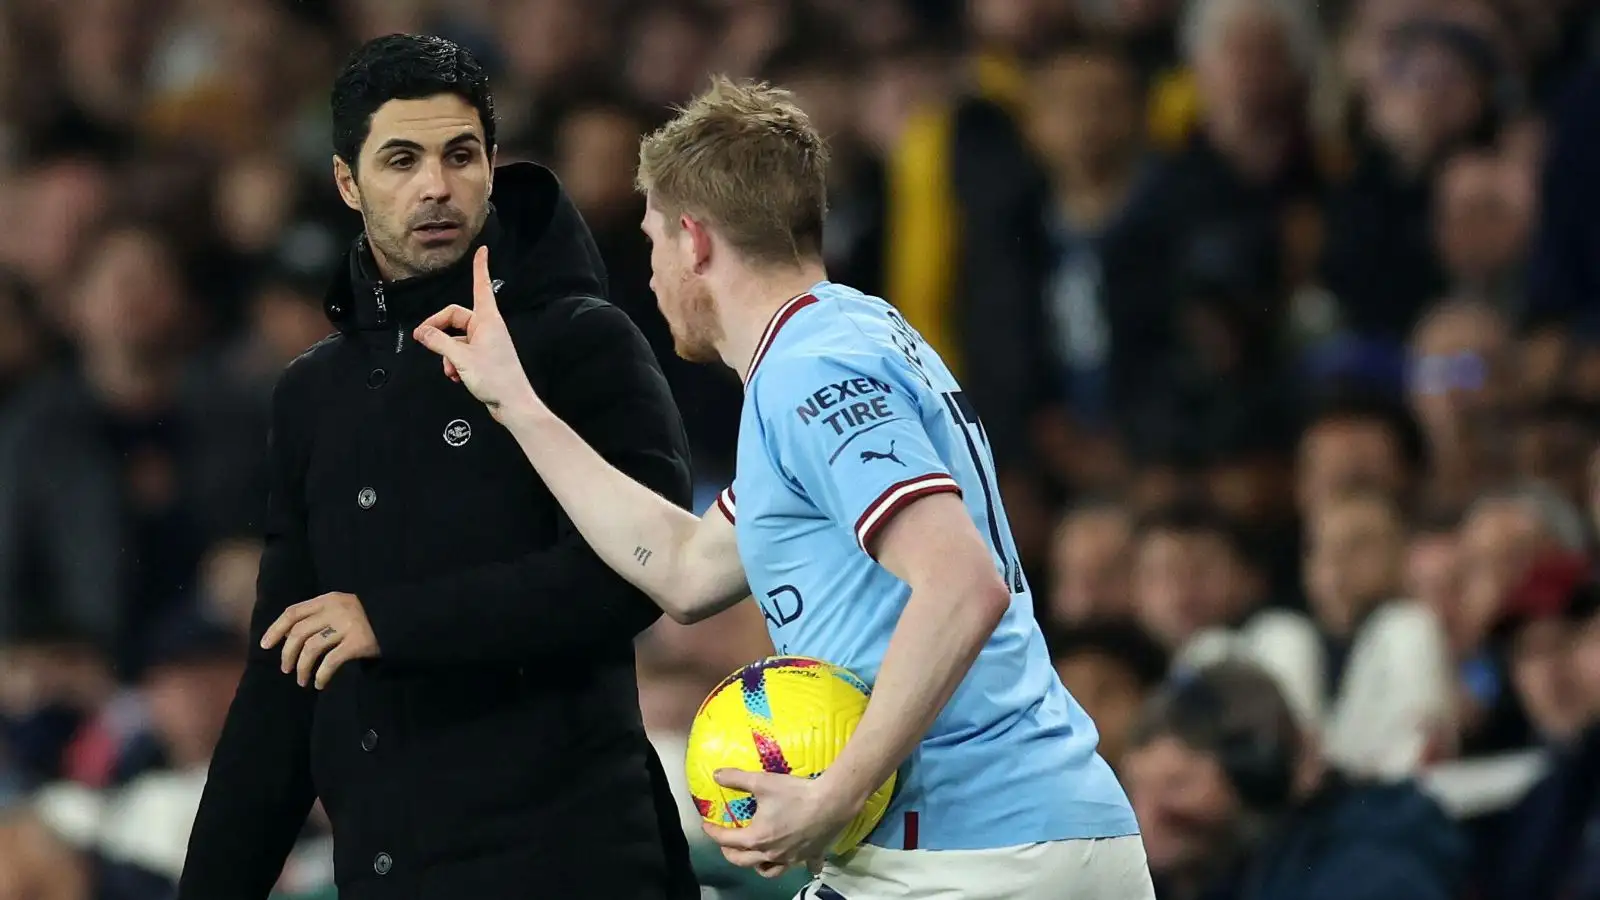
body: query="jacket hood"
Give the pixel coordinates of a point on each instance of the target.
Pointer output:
(539, 247)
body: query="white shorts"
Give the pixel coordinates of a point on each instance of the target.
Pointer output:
(1099, 869)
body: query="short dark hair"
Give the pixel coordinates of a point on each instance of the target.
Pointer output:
(404, 67)
(1126, 642)
(1234, 711)
(1365, 406)
(1202, 706)
(1191, 516)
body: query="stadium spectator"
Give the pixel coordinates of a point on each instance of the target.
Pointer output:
(1191, 572)
(1384, 666)
(1482, 219)
(1435, 91)
(1091, 564)
(1544, 850)
(1248, 173)
(1234, 803)
(1539, 635)
(1098, 291)
(133, 447)
(1112, 668)
(1552, 444)
(1502, 536)
(1356, 443)
(1457, 382)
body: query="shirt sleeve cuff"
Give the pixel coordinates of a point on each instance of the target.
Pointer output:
(895, 498)
(725, 502)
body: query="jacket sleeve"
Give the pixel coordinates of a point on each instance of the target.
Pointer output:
(603, 381)
(259, 788)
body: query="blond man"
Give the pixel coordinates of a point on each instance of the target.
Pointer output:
(865, 521)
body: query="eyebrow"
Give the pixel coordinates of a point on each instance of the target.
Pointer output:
(459, 140)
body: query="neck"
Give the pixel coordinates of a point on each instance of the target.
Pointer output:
(386, 270)
(749, 299)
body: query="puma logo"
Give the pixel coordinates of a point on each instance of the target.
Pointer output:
(870, 455)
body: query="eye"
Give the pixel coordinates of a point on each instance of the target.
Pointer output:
(462, 157)
(400, 161)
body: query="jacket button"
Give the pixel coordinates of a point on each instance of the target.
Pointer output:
(367, 498)
(376, 378)
(369, 741)
(382, 863)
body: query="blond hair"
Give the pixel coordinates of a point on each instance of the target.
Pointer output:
(745, 158)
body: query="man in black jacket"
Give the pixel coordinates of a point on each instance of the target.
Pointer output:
(440, 658)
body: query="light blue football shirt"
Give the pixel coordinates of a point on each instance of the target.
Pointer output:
(848, 417)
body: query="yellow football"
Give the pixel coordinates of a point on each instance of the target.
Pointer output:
(784, 714)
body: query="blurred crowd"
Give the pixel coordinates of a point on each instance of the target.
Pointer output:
(1283, 317)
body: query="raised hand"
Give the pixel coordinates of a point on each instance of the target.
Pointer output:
(482, 356)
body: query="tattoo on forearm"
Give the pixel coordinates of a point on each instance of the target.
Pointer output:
(641, 554)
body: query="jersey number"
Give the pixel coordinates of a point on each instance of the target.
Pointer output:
(964, 414)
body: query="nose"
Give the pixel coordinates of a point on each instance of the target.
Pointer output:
(435, 187)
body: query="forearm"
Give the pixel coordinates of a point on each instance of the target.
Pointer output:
(933, 646)
(635, 531)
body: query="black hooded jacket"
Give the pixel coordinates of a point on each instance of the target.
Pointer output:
(495, 748)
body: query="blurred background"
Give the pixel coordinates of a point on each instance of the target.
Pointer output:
(1283, 316)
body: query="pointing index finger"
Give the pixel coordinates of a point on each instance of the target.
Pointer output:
(483, 299)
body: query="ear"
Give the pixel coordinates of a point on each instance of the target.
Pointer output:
(345, 180)
(699, 243)
(494, 155)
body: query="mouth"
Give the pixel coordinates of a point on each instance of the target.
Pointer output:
(438, 232)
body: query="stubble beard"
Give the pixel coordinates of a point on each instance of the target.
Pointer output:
(697, 337)
(393, 240)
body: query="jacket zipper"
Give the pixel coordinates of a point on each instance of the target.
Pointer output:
(383, 316)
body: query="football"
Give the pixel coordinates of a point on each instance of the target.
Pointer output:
(784, 714)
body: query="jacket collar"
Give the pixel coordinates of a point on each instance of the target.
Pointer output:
(363, 301)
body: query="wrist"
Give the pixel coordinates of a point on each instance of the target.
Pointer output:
(523, 412)
(843, 791)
